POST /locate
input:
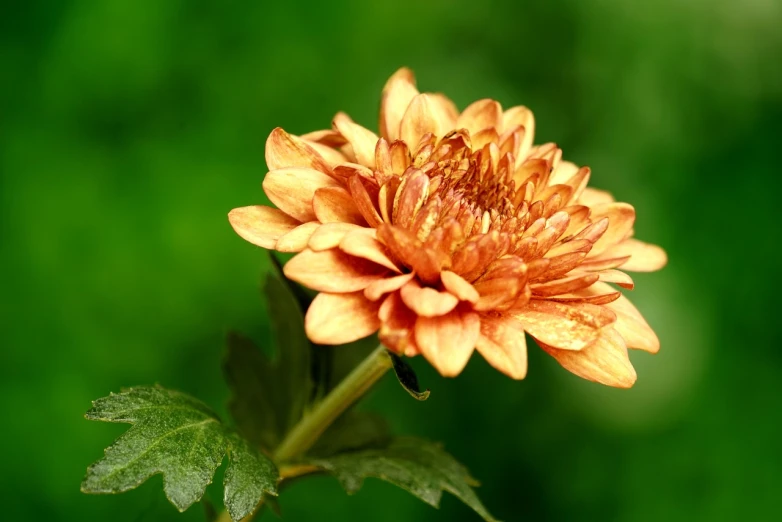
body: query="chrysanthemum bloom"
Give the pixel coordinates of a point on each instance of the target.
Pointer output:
(450, 232)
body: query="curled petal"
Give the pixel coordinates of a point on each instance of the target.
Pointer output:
(363, 140)
(398, 326)
(457, 286)
(260, 225)
(604, 361)
(296, 240)
(567, 326)
(329, 235)
(602, 263)
(284, 150)
(362, 243)
(410, 197)
(363, 200)
(427, 302)
(398, 92)
(448, 341)
(408, 250)
(335, 205)
(292, 190)
(618, 277)
(332, 271)
(381, 287)
(341, 318)
(328, 137)
(498, 293)
(503, 344)
(569, 284)
(574, 245)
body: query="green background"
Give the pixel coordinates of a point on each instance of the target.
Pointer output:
(130, 128)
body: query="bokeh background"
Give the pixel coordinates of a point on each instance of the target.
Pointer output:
(130, 128)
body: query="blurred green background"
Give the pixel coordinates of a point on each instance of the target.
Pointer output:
(130, 128)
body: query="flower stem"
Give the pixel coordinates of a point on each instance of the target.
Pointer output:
(349, 390)
(306, 433)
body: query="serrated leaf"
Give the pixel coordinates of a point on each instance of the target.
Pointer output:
(407, 378)
(421, 467)
(269, 397)
(181, 438)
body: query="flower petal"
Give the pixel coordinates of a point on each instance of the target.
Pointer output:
(456, 285)
(332, 271)
(522, 116)
(408, 250)
(480, 115)
(567, 326)
(503, 345)
(630, 324)
(398, 326)
(572, 283)
(448, 341)
(381, 287)
(445, 108)
(591, 197)
(604, 361)
(335, 205)
(341, 318)
(398, 92)
(285, 150)
(296, 240)
(260, 225)
(292, 190)
(621, 217)
(425, 301)
(419, 119)
(329, 235)
(363, 140)
(362, 243)
(644, 257)
(618, 277)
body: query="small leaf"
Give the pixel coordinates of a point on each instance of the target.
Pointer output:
(252, 404)
(181, 438)
(269, 397)
(293, 377)
(407, 378)
(421, 467)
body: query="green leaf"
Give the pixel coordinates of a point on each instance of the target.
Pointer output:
(293, 377)
(421, 467)
(269, 397)
(407, 378)
(252, 404)
(181, 438)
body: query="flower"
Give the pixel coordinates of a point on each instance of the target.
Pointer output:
(451, 232)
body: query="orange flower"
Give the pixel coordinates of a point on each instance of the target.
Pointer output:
(450, 232)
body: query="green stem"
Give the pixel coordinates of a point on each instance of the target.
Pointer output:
(311, 426)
